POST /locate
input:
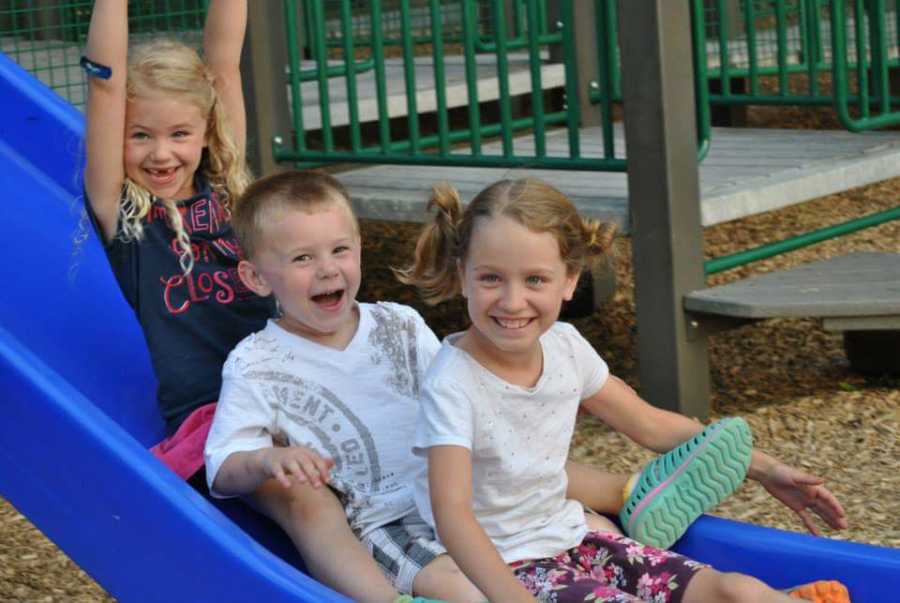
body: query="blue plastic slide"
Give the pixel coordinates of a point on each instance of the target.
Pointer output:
(77, 413)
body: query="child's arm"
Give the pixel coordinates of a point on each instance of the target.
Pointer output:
(104, 174)
(243, 472)
(240, 453)
(450, 484)
(660, 430)
(223, 38)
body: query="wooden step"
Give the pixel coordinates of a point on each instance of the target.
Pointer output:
(858, 291)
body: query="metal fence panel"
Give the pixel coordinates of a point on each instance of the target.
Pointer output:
(47, 37)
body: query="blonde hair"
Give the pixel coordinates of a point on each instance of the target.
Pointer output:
(303, 190)
(444, 243)
(170, 67)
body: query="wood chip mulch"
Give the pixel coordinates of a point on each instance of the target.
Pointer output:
(788, 377)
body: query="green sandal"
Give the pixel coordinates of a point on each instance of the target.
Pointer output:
(676, 488)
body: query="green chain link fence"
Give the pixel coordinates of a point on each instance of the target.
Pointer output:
(47, 37)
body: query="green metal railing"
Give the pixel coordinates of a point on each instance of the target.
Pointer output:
(525, 35)
(804, 52)
(47, 37)
(478, 13)
(873, 45)
(786, 47)
(436, 147)
(762, 252)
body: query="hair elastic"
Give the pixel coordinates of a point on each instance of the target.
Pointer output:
(95, 69)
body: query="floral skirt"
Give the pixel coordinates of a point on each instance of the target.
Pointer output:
(608, 568)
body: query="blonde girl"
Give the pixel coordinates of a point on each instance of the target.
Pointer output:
(165, 165)
(499, 406)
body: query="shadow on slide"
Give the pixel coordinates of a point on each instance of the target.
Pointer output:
(78, 412)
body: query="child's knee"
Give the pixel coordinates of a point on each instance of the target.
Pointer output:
(727, 587)
(442, 579)
(301, 504)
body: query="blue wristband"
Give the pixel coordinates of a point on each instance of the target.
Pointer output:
(95, 69)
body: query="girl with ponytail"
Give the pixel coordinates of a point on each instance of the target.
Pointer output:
(498, 408)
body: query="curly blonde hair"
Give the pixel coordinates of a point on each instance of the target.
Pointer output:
(444, 243)
(172, 68)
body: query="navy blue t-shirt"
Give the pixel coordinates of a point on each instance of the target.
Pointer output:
(190, 322)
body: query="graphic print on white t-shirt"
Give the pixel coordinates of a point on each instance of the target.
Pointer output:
(357, 406)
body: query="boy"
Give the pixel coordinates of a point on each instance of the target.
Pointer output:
(335, 376)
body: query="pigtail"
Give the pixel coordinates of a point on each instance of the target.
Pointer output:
(434, 268)
(598, 238)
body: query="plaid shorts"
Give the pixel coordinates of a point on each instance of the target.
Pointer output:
(402, 548)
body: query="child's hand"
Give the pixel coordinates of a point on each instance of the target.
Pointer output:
(298, 463)
(802, 493)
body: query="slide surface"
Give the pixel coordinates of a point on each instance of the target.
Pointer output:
(78, 412)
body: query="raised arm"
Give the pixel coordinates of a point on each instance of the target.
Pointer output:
(450, 483)
(104, 174)
(660, 430)
(223, 38)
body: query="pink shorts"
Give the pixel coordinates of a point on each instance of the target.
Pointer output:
(182, 452)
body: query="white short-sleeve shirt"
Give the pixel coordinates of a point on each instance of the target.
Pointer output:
(519, 440)
(357, 405)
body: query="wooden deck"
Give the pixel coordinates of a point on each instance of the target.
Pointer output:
(747, 171)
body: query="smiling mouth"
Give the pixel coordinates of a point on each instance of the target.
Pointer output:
(512, 323)
(329, 299)
(161, 175)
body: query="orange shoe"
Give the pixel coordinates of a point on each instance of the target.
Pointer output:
(822, 591)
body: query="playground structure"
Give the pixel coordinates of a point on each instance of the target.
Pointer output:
(76, 372)
(645, 171)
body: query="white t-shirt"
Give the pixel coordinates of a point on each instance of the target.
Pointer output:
(519, 440)
(357, 405)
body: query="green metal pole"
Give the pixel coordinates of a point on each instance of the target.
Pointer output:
(724, 51)
(350, 74)
(862, 67)
(537, 87)
(440, 81)
(503, 77)
(409, 75)
(318, 32)
(701, 81)
(752, 61)
(605, 23)
(384, 127)
(293, 50)
(470, 33)
(572, 84)
(781, 33)
(817, 236)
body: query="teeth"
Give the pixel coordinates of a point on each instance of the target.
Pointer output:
(512, 323)
(321, 296)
